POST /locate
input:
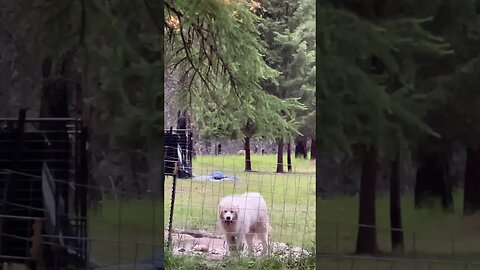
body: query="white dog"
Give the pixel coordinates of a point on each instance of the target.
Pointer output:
(241, 218)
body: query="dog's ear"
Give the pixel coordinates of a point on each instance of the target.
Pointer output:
(236, 211)
(220, 209)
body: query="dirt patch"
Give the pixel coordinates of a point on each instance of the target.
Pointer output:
(186, 242)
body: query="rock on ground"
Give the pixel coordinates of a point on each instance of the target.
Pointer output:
(215, 247)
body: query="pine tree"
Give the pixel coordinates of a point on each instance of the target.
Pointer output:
(117, 60)
(223, 89)
(288, 32)
(368, 91)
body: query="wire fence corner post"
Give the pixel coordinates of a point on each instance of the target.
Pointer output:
(453, 246)
(337, 244)
(414, 243)
(119, 232)
(135, 256)
(172, 206)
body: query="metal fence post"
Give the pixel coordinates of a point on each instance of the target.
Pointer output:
(135, 256)
(119, 232)
(170, 224)
(453, 247)
(337, 247)
(414, 240)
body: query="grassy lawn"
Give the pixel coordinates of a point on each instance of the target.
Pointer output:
(139, 221)
(429, 234)
(198, 262)
(290, 196)
(375, 264)
(236, 163)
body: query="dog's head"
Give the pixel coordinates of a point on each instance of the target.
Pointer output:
(228, 213)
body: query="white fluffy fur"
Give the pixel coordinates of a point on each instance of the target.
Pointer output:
(248, 216)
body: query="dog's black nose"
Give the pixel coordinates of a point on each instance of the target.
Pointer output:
(227, 218)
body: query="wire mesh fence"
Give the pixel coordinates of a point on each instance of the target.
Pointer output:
(340, 238)
(43, 176)
(351, 262)
(290, 199)
(126, 231)
(422, 250)
(120, 232)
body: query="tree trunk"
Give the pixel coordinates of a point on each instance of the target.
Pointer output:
(280, 156)
(395, 207)
(300, 147)
(432, 183)
(54, 94)
(89, 88)
(367, 237)
(54, 103)
(289, 156)
(313, 147)
(248, 161)
(471, 201)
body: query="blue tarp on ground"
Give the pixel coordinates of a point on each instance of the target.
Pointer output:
(216, 176)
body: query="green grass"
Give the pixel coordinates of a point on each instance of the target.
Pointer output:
(261, 163)
(429, 234)
(290, 196)
(140, 221)
(239, 263)
(372, 263)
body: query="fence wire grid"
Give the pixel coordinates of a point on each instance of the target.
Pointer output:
(121, 232)
(290, 199)
(352, 262)
(340, 238)
(422, 249)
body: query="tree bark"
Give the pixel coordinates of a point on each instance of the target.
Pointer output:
(395, 207)
(432, 183)
(471, 200)
(289, 156)
(54, 101)
(280, 156)
(89, 88)
(300, 147)
(248, 161)
(313, 147)
(367, 236)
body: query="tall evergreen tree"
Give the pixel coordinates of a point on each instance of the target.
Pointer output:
(368, 90)
(231, 103)
(288, 34)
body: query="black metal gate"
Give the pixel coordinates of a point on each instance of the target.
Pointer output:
(178, 150)
(38, 157)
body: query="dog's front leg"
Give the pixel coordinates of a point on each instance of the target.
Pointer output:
(264, 239)
(249, 241)
(232, 243)
(241, 246)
